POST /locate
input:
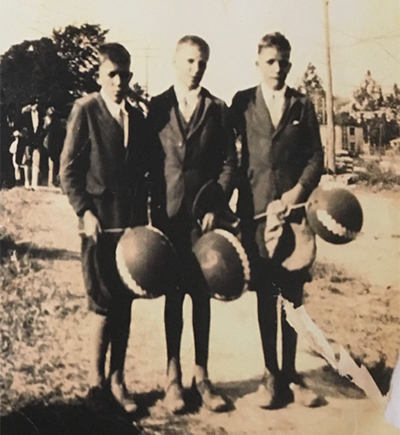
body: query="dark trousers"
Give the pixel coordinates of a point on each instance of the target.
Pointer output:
(183, 234)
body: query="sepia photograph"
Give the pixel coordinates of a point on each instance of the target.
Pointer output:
(200, 217)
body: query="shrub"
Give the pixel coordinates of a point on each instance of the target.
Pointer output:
(374, 176)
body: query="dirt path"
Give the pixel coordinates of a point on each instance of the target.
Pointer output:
(235, 351)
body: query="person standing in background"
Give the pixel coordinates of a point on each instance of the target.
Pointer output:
(32, 118)
(8, 138)
(54, 136)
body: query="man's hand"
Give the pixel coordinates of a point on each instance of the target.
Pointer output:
(91, 225)
(292, 196)
(208, 222)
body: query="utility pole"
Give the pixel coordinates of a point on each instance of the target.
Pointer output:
(330, 143)
(147, 67)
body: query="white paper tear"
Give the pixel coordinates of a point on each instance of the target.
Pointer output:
(392, 413)
(360, 376)
(346, 366)
(302, 323)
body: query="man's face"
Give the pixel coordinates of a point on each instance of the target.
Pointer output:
(190, 64)
(114, 79)
(274, 66)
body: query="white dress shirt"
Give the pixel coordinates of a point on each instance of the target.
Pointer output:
(187, 100)
(35, 120)
(119, 113)
(275, 101)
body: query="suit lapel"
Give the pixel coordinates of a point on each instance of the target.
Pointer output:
(113, 135)
(131, 134)
(263, 117)
(171, 135)
(106, 119)
(29, 123)
(290, 99)
(198, 120)
(40, 120)
(175, 122)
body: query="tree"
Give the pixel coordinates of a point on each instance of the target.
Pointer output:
(382, 111)
(392, 104)
(344, 118)
(78, 46)
(311, 85)
(57, 70)
(392, 100)
(139, 98)
(368, 97)
(34, 69)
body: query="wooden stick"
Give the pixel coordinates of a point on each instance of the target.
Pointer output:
(107, 230)
(293, 207)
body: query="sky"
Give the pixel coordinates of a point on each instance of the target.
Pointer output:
(365, 35)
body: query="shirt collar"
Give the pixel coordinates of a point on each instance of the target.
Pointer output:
(113, 107)
(268, 92)
(181, 92)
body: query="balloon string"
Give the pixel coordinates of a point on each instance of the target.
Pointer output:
(287, 213)
(107, 230)
(114, 230)
(149, 207)
(121, 230)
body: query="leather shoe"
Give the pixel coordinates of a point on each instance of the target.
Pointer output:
(263, 396)
(97, 398)
(283, 396)
(210, 399)
(173, 400)
(304, 395)
(120, 393)
(274, 394)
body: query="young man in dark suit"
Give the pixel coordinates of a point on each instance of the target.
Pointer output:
(198, 147)
(32, 120)
(107, 152)
(281, 159)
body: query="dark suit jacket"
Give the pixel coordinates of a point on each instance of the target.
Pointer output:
(98, 173)
(206, 152)
(35, 139)
(273, 160)
(54, 136)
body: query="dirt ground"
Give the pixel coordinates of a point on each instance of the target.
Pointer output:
(47, 335)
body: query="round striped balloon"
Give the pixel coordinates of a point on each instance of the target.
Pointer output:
(335, 214)
(146, 261)
(224, 264)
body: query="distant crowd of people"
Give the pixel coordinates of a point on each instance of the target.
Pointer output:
(31, 145)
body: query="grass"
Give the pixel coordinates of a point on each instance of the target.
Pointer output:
(361, 317)
(46, 333)
(376, 178)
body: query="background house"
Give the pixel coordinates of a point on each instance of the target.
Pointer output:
(347, 138)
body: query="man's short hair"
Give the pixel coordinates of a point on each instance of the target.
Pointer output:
(197, 41)
(115, 52)
(276, 40)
